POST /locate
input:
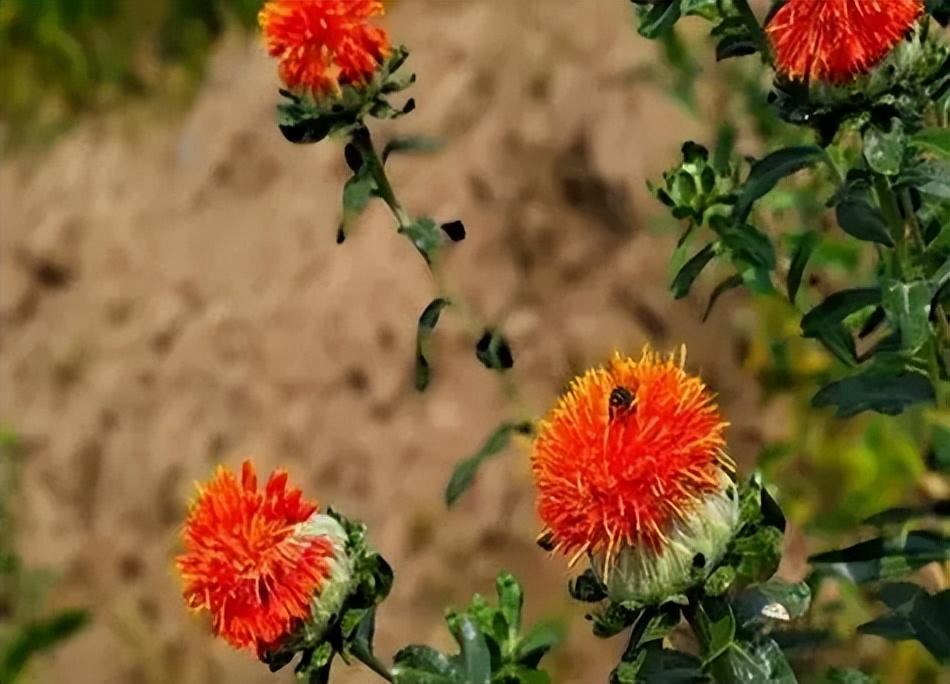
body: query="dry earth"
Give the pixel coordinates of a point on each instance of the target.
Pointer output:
(172, 298)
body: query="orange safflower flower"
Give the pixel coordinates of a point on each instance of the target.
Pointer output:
(627, 454)
(323, 44)
(248, 559)
(835, 40)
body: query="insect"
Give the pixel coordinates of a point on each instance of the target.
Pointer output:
(621, 400)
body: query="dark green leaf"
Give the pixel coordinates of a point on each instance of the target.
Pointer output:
(884, 149)
(901, 515)
(924, 617)
(730, 283)
(683, 281)
(806, 245)
(464, 474)
(886, 557)
(493, 351)
(37, 637)
(874, 391)
(540, 639)
(427, 322)
(587, 588)
(768, 171)
(411, 143)
(425, 236)
(837, 307)
(659, 18)
(859, 219)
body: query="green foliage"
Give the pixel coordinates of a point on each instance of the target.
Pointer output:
(493, 649)
(915, 614)
(463, 476)
(26, 629)
(59, 58)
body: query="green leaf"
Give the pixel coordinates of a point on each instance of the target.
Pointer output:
(37, 637)
(540, 639)
(806, 245)
(425, 236)
(908, 308)
(464, 474)
(886, 557)
(837, 307)
(511, 603)
(772, 600)
(715, 626)
(657, 665)
(859, 219)
(427, 322)
(933, 140)
(730, 283)
(411, 144)
(884, 150)
(923, 617)
(760, 661)
(687, 275)
(475, 655)
(875, 391)
(424, 665)
(766, 173)
(493, 351)
(903, 514)
(659, 18)
(838, 676)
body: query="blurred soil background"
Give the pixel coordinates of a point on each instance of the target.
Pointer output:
(172, 297)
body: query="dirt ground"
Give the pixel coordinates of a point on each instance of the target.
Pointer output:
(172, 297)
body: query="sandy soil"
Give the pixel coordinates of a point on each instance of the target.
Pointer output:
(172, 298)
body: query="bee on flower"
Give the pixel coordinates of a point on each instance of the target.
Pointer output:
(264, 563)
(631, 470)
(835, 41)
(324, 44)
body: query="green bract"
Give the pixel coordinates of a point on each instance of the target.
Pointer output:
(695, 544)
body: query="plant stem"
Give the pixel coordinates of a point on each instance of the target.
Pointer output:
(372, 662)
(363, 141)
(833, 167)
(892, 214)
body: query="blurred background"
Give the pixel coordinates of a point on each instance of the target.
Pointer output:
(172, 297)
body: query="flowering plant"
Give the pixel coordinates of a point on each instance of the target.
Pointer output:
(631, 465)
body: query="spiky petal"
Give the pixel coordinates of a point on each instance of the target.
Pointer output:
(833, 41)
(323, 44)
(629, 450)
(249, 559)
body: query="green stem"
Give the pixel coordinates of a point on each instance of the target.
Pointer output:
(372, 662)
(364, 143)
(892, 214)
(833, 167)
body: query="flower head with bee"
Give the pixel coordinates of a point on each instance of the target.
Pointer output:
(631, 469)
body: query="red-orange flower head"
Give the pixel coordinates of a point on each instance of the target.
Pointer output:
(627, 459)
(251, 558)
(323, 44)
(833, 41)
